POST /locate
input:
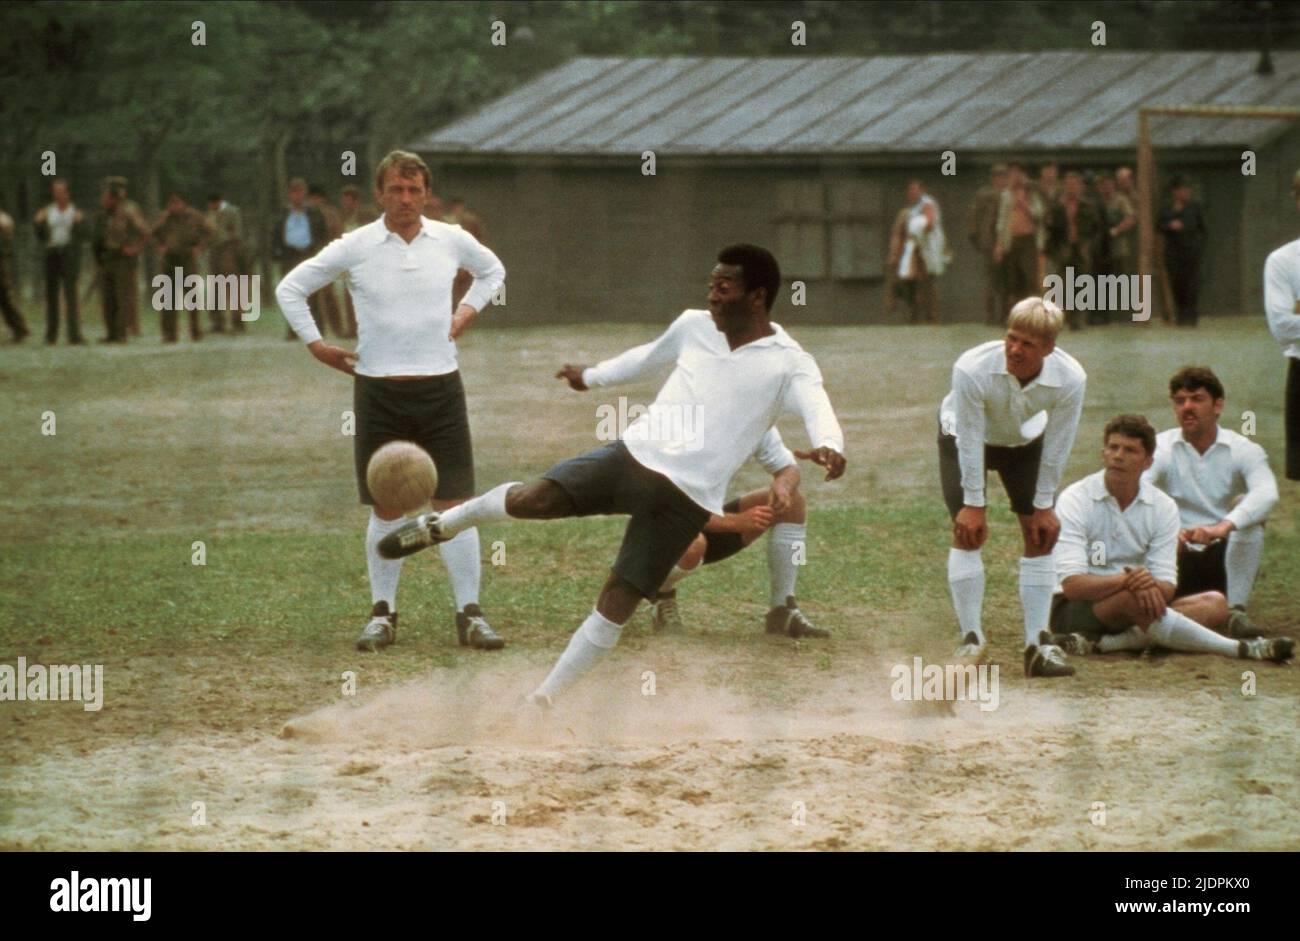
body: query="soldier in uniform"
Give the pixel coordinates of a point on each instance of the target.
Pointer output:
(983, 235)
(120, 233)
(329, 300)
(180, 234)
(8, 293)
(352, 215)
(61, 228)
(225, 254)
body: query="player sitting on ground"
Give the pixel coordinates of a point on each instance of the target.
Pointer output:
(670, 485)
(694, 329)
(1224, 489)
(1014, 408)
(1116, 562)
(780, 510)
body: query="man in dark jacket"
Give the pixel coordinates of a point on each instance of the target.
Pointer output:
(1182, 224)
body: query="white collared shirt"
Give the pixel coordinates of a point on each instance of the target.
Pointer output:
(726, 400)
(1204, 485)
(60, 222)
(402, 293)
(1097, 538)
(1281, 294)
(692, 328)
(988, 406)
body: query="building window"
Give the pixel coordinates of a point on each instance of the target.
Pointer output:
(831, 228)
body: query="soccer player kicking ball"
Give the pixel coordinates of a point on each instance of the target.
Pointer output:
(1116, 561)
(668, 484)
(726, 535)
(1224, 489)
(1014, 408)
(407, 386)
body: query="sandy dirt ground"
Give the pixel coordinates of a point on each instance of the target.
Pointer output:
(1178, 756)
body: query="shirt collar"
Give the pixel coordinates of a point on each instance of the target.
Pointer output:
(1097, 489)
(1049, 375)
(1219, 440)
(427, 227)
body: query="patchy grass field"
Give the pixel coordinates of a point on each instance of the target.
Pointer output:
(748, 742)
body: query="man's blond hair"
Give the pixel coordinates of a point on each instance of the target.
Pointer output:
(406, 164)
(1038, 316)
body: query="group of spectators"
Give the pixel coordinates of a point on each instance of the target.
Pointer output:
(1081, 223)
(187, 240)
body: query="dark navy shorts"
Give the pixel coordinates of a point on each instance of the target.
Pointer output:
(1076, 617)
(1018, 468)
(431, 412)
(609, 481)
(1203, 570)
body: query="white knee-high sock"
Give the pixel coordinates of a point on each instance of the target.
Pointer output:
(489, 508)
(966, 582)
(1132, 639)
(461, 556)
(1179, 632)
(383, 572)
(1245, 547)
(596, 637)
(783, 541)
(1037, 581)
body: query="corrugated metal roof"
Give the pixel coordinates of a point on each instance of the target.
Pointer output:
(1084, 100)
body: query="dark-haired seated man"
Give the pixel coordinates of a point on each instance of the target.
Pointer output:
(1224, 489)
(1115, 559)
(669, 482)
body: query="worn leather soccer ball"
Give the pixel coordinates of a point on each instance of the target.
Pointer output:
(401, 476)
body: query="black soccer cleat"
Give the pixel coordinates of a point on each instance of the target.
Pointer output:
(473, 630)
(1276, 649)
(381, 631)
(1046, 660)
(789, 620)
(420, 533)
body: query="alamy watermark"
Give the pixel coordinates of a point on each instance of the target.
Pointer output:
(949, 682)
(232, 292)
(56, 682)
(1116, 293)
(675, 423)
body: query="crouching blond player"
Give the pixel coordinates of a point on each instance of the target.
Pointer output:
(1116, 561)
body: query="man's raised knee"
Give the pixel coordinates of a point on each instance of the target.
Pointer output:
(540, 499)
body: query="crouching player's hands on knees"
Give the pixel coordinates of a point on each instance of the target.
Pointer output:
(1043, 530)
(970, 528)
(755, 521)
(334, 356)
(828, 458)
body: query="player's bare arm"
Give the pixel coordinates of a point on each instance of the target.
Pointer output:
(461, 320)
(573, 376)
(829, 458)
(333, 356)
(750, 523)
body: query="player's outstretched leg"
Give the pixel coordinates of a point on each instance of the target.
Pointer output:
(538, 499)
